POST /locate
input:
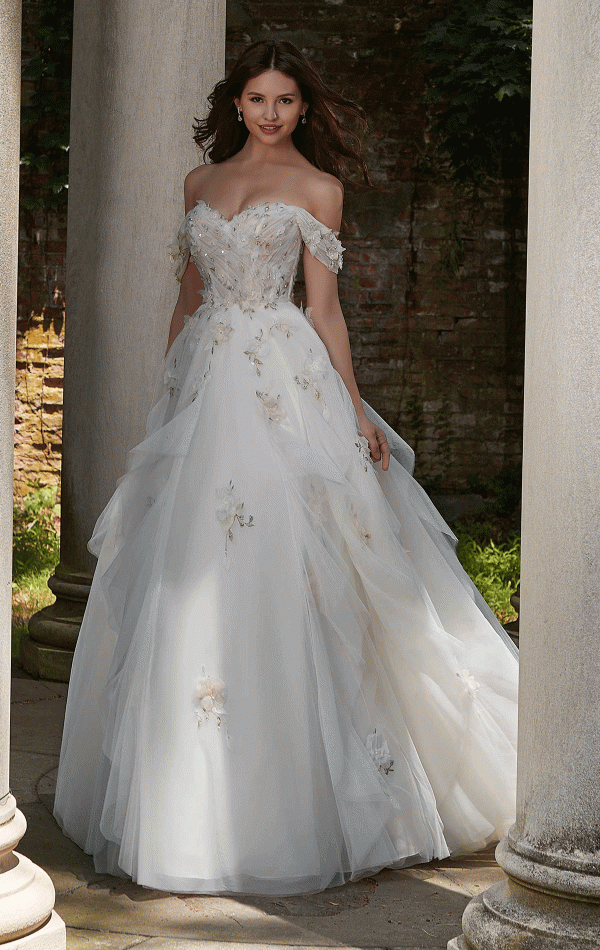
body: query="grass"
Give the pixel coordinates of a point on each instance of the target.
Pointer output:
(30, 593)
(489, 549)
(36, 523)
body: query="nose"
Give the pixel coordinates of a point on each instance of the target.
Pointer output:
(271, 111)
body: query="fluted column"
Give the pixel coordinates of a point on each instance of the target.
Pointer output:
(141, 72)
(27, 918)
(551, 895)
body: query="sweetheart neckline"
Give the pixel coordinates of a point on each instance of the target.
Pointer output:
(260, 204)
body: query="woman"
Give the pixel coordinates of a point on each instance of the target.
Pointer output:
(284, 680)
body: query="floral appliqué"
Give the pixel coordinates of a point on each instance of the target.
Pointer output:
(170, 378)
(255, 348)
(313, 372)
(273, 411)
(378, 749)
(209, 697)
(283, 327)
(221, 334)
(230, 510)
(362, 532)
(199, 386)
(329, 244)
(469, 682)
(362, 445)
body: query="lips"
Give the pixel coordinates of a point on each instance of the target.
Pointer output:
(269, 129)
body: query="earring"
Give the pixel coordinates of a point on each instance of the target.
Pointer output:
(304, 118)
(239, 114)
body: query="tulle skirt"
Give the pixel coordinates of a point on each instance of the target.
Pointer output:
(284, 680)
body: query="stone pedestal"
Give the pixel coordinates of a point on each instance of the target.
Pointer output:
(141, 73)
(551, 897)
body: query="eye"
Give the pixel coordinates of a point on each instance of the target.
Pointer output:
(255, 99)
(285, 100)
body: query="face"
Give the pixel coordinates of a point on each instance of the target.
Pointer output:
(271, 106)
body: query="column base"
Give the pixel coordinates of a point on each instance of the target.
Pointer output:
(511, 915)
(52, 936)
(47, 652)
(27, 918)
(45, 663)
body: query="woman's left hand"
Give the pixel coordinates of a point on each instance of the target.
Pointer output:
(378, 444)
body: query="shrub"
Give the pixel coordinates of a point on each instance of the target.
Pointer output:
(36, 518)
(494, 567)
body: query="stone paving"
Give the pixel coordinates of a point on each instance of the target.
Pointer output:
(416, 909)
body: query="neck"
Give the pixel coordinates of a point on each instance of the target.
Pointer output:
(256, 151)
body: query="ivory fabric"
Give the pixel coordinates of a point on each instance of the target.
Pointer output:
(284, 680)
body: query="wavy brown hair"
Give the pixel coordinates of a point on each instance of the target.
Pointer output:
(323, 140)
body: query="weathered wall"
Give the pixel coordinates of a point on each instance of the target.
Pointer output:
(433, 284)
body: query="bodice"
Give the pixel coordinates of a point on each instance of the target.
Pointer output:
(251, 259)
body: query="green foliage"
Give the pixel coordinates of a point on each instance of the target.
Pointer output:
(503, 491)
(480, 57)
(493, 567)
(45, 114)
(35, 534)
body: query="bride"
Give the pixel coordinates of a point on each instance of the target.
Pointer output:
(284, 680)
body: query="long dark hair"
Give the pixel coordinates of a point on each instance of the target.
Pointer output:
(322, 140)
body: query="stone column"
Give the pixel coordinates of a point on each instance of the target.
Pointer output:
(551, 895)
(27, 918)
(141, 72)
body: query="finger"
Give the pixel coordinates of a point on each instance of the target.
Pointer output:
(374, 448)
(384, 449)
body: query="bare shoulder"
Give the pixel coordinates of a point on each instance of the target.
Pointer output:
(194, 183)
(325, 198)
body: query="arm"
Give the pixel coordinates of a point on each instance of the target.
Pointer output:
(191, 287)
(328, 319)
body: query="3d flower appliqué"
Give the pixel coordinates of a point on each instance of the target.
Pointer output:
(209, 697)
(273, 411)
(378, 749)
(362, 445)
(170, 380)
(255, 348)
(469, 682)
(362, 532)
(221, 334)
(314, 371)
(283, 327)
(230, 510)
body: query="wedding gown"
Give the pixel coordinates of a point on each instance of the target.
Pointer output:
(284, 680)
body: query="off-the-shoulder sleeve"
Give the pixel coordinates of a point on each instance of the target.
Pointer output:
(321, 241)
(180, 251)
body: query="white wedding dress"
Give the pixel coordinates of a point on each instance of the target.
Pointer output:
(284, 680)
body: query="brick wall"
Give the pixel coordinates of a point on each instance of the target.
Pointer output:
(434, 277)
(433, 281)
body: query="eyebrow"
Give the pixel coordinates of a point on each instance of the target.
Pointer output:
(287, 95)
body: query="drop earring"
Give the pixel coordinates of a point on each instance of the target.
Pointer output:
(239, 114)
(304, 118)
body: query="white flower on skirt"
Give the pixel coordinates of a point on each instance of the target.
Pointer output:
(255, 348)
(378, 749)
(283, 327)
(221, 334)
(209, 696)
(229, 510)
(273, 411)
(170, 380)
(315, 369)
(469, 682)
(362, 445)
